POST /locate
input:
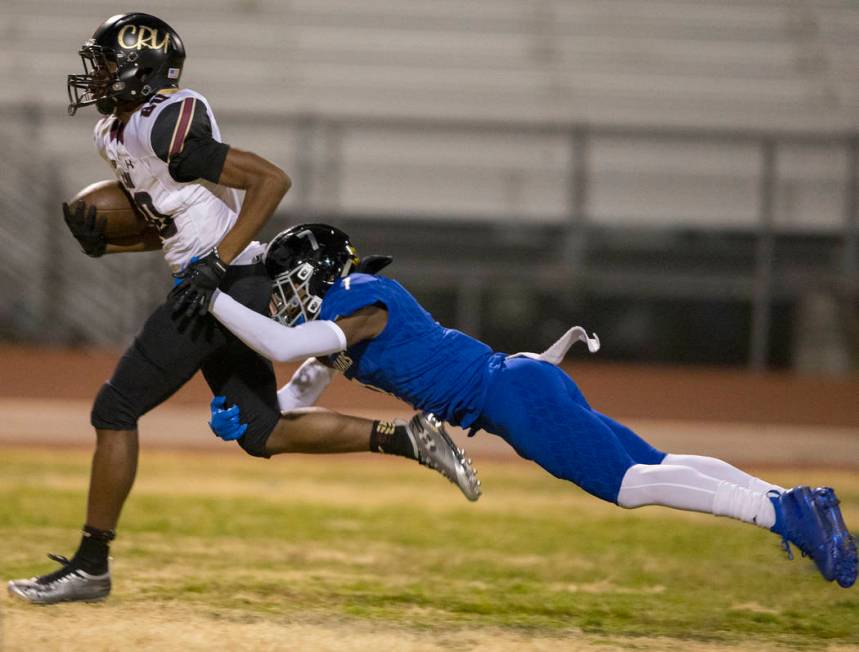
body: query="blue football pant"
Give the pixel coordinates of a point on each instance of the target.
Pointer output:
(538, 409)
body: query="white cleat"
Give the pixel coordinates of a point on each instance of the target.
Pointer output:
(436, 450)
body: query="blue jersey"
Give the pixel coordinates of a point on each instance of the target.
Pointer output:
(433, 368)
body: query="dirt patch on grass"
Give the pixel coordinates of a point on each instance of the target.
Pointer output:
(113, 626)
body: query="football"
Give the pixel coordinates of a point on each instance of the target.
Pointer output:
(111, 201)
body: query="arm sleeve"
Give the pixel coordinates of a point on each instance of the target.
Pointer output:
(276, 341)
(306, 385)
(182, 138)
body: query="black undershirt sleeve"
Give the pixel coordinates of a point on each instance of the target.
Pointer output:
(199, 155)
(200, 159)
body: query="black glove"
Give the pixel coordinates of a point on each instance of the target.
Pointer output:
(196, 284)
(87, 229)
(373, 264)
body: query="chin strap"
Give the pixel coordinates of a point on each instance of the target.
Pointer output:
(106, 105)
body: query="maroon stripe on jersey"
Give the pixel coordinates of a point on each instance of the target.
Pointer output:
(183, 126)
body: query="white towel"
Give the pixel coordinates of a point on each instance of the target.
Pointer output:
(555, 353)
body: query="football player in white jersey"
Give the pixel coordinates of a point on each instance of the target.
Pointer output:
(165, 148)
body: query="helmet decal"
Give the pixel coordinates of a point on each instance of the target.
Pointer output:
(135, 37)
(309, 235)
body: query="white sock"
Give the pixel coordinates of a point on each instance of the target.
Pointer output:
(682, 487)
(721, 470)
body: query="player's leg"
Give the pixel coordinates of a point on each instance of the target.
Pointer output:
(683, 487)
(811, 519)
(560, 432)
(423, 439)
(716, 468)
(164, 355)
(529, 405)
(571, 441)
(694, 482)
(644, 453)
(247, 380)
(737, 504)
(114, 466)
(320, 431)
(808, 518)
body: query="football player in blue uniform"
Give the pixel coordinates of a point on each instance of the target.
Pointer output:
(372, 330)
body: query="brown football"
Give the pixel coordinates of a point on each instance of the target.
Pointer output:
(124, 221)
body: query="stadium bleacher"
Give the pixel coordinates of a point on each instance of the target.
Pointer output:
(617, 113)
(760, 63)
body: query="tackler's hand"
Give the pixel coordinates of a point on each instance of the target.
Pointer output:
(225, 423)
(87, 229)
(196, 284)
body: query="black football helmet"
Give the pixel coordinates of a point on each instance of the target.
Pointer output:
(128, 59)
(304, 262)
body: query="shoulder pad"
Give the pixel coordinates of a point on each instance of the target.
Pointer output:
(180, 118)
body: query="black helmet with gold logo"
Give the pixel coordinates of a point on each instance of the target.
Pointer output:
(128, 59)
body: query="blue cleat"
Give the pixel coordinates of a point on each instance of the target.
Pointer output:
(812, 522)
(798, 521)
(843, 544)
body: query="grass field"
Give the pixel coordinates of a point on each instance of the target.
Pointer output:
(224, 552)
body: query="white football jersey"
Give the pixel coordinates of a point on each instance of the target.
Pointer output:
(191, 218)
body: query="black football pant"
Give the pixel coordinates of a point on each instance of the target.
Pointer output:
(170, 349)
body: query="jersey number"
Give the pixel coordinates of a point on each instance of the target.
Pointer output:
(147, 110)
(162, 223)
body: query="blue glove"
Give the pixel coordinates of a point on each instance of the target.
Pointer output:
(225, 423)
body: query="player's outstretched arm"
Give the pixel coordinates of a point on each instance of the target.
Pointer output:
(264, 184)
(281, 343)
(273, 340)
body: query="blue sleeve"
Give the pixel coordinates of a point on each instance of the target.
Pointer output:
(352, 293)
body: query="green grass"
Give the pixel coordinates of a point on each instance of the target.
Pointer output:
(384, 543)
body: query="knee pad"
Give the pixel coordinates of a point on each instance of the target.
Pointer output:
(113, 411)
